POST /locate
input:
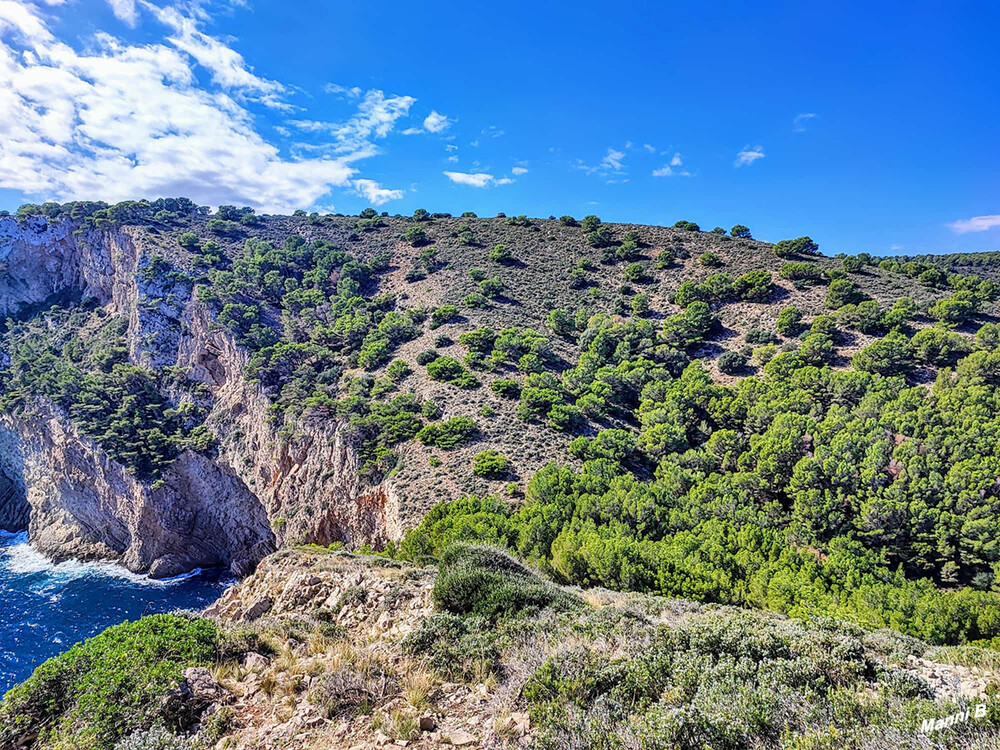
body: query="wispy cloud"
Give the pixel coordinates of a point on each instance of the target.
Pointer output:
(125, 11)
(492, 131)
(613, 160)
(975, 224)
(748, 156)
(518, 171)
(476, 179)
(376, 117)
(650, 148)
(433, 123)
(800, 121)
(227, 66)
(332, 88)
(375, 193)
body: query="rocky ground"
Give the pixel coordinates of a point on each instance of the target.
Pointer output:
(298, 697)
(335, 674)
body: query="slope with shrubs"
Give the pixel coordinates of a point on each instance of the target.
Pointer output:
(352, 651)
(661, 409)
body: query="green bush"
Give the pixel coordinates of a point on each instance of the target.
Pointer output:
(448, 434)
(491, 464)
(506, 388)
(109, 685)
(710, 260)
(489, 583)
(789, 321)
(740, 231)
(798, 246)
(731, 363)
(415, 235)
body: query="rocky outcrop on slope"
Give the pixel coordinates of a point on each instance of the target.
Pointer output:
(261, 489)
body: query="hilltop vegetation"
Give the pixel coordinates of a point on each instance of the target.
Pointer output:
(689, 413)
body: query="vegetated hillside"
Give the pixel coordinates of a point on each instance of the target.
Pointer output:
(321, 649)
(668, 410)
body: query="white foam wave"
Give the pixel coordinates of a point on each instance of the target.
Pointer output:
(20, 558)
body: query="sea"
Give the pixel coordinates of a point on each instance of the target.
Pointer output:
(46, 607)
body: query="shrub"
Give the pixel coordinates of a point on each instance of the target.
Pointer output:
(852, 264)
(491, 288)
(489, 583)
(415, 235)
(110, 684)
(480, 340)
(731, 363)
(640, 305)
(688, 226)
(890, 355)
(798, 246)
(506, 388)
(590, 223)
(740, 231)
(710, 260)
(448, 434)
(421, 214)
(801, 271)
(477, 274)
(754, 286)
(789, 321)
(567, 221)
(427, 356)
(560, 322)
(939, 347)
(501, 254)
(635, 272)
(398, 369)
(443, 314)
(491, 464)
(956, 309)
(188, 240)
(757, 336)
(842, 292)
(600, 237)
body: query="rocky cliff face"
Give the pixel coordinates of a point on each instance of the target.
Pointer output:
(262, 488)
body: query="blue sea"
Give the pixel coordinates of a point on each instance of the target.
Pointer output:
(46, 607)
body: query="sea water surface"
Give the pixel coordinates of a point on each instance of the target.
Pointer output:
(46, 607)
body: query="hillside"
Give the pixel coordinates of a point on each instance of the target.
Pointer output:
(323, 649)
(659, 410)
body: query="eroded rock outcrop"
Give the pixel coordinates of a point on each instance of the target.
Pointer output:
(261, 489)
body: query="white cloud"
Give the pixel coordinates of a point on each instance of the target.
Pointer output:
(119, 121)
(975, 224)
(450, 147)
(677, 161)
(799, 123)
(474, 144)
(435, 122)
(477, 179)
(492, 131)
(668, 171)
(375, 193)
(124, 10)
(333, 88)
(518, 171)
(376, 117)
(649, 148)
(452, 158)
(227, 66)
(748, 156)
(613, 160)
(504, 181)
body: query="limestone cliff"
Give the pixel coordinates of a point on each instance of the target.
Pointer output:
(260, 489)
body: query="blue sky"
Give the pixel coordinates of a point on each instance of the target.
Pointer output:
(864, 126)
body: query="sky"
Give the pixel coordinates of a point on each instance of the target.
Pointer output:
(869, 126)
